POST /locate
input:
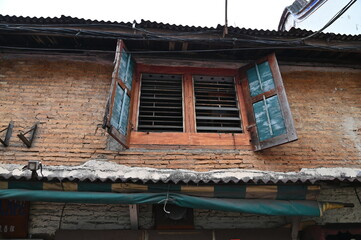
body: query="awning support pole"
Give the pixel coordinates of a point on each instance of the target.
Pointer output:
(295, 227)
(133, 212)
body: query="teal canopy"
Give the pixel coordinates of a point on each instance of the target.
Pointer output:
(254, 206)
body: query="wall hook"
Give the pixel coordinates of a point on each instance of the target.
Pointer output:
(165, 203)
(164, 207)
(29, 141)
(9, 131)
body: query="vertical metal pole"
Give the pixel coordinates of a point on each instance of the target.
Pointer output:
(268, 117)
(225, 31)
(295, 227)
(133, 212)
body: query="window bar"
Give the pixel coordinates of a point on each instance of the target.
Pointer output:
(259, 77)
(126, 70)
(122, 111)
(268, 117)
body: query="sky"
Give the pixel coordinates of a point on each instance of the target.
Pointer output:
(348, 23)
(254, 14)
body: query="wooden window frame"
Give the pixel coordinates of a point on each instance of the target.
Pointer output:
(114, 131)
(254, 136)
(189, 138)
(279, 90)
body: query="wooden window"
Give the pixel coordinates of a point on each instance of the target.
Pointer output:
(269, 115)
(117, 114)
(198, 107)
(198, 124)
(216, 104)
(160, 107)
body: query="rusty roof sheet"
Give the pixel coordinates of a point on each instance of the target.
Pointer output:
(105, 171)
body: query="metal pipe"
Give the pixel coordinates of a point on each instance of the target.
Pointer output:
(225, 31)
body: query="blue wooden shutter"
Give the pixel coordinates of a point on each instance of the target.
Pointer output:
(269, 116)
(118, 108)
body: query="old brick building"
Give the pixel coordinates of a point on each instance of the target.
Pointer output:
(191, 107)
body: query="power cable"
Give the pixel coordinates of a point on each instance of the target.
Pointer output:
(356, 193)
(152, 36)
(182, 51)
(163, 36)
(110, 35)
(63, 208)
(332, 20)
(148, 35)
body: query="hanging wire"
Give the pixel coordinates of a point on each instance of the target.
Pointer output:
(273, 43)
(165, 202)
(62, 210)
(332, 20)
(356, 193)
(164, 36)
(181, 51)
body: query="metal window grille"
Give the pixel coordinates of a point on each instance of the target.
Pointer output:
(216, 105)
(161, 104)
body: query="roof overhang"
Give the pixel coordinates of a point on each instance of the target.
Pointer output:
(67, 35)
(105, 171)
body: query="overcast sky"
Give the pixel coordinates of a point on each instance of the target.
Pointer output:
(255, 14)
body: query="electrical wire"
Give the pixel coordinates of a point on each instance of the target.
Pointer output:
(164, 36)
(148, 35)
(358, 197)
(57, 49)
(332, 20)
(153, 52)
(208, 31)
(62, 210)
(297, 43)
(125, 36)
(308, 46)
(153, 36)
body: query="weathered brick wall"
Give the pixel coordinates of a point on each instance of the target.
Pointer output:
(45, 218)
(68, 99)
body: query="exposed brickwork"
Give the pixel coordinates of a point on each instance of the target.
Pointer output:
(68, 99)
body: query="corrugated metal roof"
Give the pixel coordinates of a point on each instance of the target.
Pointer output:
(105, 171)
(66, 20)
(54, 20)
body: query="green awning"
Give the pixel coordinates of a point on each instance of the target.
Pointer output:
(277, 192)
(254, 206)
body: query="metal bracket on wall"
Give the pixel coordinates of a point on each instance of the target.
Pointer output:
(9, 131)
(25, 140)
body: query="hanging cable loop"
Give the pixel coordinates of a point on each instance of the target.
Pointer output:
(165, 202)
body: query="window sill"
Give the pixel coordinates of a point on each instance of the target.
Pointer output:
(190, 140)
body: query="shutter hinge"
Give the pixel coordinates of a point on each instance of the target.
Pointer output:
(250, 126)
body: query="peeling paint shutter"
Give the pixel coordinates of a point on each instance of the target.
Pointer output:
(269, 116)
(118, 108)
